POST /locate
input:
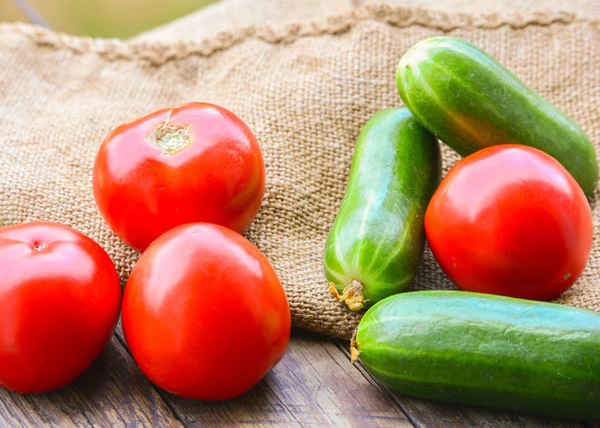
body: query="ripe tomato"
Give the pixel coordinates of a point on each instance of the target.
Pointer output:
(197, 162)
(510, 220)
(204, 313)
(59, 304)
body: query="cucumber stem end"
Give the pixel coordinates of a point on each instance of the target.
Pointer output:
(353, 351)
(352, 295)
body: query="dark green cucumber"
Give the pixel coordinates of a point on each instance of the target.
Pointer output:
(486, 350)
(375, 246)
(469, 101)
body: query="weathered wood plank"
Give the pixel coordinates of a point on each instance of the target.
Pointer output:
(425, 413)
(314, 385)
(260, 407)
(317, 376)
(111, 393)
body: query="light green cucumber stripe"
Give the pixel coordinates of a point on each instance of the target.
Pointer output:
(408, 101)
(385, 288)
(408, 229)
(340, 257)
(361, 230)
(339, 277)
(492, 67)
(441, 69)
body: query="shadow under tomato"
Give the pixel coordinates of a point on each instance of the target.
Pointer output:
(272, 401)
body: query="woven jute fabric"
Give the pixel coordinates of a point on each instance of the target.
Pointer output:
(226, 15)
(589, 9)
(305, 89)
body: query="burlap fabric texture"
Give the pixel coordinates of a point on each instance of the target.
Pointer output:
(305, 89)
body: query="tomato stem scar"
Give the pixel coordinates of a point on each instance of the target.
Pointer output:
(170, 138)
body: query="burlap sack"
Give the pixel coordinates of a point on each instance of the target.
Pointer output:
(305, 89)
(226, 15)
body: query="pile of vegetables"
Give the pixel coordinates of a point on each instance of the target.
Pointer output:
(509, 222)
(205, 315)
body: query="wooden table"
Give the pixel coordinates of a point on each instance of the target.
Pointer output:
(315, 385)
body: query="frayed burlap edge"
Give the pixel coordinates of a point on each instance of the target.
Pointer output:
(398, 16)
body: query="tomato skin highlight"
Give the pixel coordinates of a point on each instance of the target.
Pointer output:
(59, 305)
(142, 189)
(510, 220)
(204, 313)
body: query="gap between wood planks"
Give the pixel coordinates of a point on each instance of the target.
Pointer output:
(295, 394)
(304, 348)
(315, 385)
(302, 389)
(168, 399)
(160, 392)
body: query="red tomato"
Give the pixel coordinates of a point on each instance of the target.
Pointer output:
(204, 314)
(197, 162)
(59, 304)
(510, 220)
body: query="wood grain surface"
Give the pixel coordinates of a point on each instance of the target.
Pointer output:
(315, 385)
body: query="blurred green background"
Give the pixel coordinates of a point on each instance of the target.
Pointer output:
(101, 18)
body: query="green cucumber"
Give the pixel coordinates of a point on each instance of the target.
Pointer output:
(487, 350)
(470, 101)
(376, 243)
